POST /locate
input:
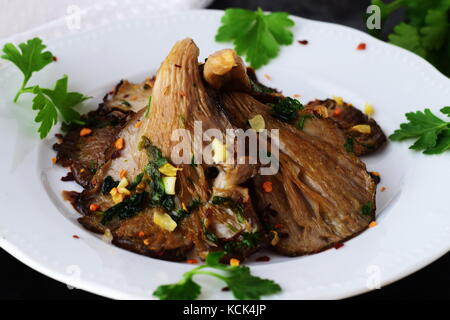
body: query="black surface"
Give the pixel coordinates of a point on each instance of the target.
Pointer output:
(17, 281)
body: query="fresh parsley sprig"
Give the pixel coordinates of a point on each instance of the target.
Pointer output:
(426, 30)
(30, 57)
(256, 35)
(432, 134)
(239, 280)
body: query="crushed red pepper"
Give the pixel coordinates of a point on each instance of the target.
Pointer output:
(337, 112)
(361, 46)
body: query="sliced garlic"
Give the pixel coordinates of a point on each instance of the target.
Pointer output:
(169, 170)
(169, 184)
(164, 221)
(220, 151)
(369, 109)
(361, 128)
(339, 101)
(257, 123)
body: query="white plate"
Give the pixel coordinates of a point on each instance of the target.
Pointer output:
(36, 225)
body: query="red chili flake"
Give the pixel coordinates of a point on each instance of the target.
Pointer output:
(192, 261)
(55, 58)
(177, 65)
(263, 259)
(278, 226)
(337, 112)
(383, 189)
(303, 42)
(338, 245)
(361, 46)
(75, 236)
(267, 186)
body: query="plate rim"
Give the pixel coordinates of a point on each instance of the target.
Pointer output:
(114, 293)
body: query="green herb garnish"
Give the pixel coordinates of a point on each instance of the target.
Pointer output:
(195, 203)
(168, 203)
(136, 181)
(286, 109)
(29, 59)
(148, 106)
(127, 208)
(426, 30)
(179, 215)
(236, 207)
(211, 237)
(158, 197)
(432, 134)
(92, 166)
(48, 102)
(366, 209)
(108, 184)
(239, 280)
(348, 145)
(216, 200)
(301, 121)
(126, 103)
(256, 35)
(247, 240)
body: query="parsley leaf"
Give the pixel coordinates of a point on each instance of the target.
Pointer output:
(256, 35)
(48, 102)
(241, 282)
(29, 59)
(408, 37)
(435, 30)
(51, 101)
(425, 31)
(246, 286)
(186, 289)
(431, 132)
(47, 115)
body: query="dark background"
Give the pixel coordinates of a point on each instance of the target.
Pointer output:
(17, 281)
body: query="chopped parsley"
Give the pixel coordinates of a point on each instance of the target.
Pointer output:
(126, 103)
(247, 240)
(348, 145)
(127, 208)
(108, 184)
(301, 121)
(286, 109)
(366, 209)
